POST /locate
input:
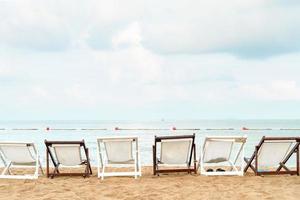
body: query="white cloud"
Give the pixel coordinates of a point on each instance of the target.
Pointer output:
(106, 55)
(4, 71)
(276, 90)
(247, 28)
(130, 36)
(240, 27)
(136, 78)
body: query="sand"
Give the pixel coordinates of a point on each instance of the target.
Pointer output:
(175, 186)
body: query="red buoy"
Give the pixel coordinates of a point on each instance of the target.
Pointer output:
(48, 129)
(174, 128)
(117, 128)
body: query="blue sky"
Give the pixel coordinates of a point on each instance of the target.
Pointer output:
(190, 59)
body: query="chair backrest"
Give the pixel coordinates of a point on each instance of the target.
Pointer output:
(18, 152)
(176, 151)
(271, 153)
(118, 149)
(218, 149)
(68, 154)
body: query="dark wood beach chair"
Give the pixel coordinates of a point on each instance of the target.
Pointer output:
(176, 154)
(274, 153)
(67, 154)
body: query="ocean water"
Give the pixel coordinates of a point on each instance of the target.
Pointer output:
(36, 131)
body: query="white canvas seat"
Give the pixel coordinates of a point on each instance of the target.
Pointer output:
(176, 153)
(19, 155)
(117, 152)
(282, 148)
(273, 153)
(222, 151)
(67, 154)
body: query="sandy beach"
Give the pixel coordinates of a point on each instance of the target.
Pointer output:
(173, 186)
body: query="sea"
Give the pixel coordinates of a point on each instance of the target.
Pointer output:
(90, 130)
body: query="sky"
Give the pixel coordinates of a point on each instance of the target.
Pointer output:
(149, 59)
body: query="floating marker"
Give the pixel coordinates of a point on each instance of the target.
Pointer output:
(256, 129)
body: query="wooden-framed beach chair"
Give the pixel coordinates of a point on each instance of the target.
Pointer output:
(67, 154)
(19, 155)
(118, 151)
(176, 154)
(225, 152)
(274, 153)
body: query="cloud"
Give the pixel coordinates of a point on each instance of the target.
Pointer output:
(249, 29)
(133, 82)
(276, 90)
(131, 36)
(129, 60)
(28, 25)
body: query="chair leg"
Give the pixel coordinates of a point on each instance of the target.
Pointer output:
(103, 169)
(195, 161)
(284, 166)
(37, 167)
(6, 169)
(55, 171)
(98, 169)
(248, 164)
(199, 161)
(298, 160)
(139, 165)
(41, 167)
(47, 163)
(154, 159)
(86, 171)
(135, 169)
(233, 167)
(89, 169)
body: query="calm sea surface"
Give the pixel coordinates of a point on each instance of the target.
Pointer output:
(77, 130)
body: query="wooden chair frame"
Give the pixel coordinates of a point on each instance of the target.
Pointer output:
(88, 170)
(294, 150)
(189, 168)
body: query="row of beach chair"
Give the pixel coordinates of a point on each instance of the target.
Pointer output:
(170, 154)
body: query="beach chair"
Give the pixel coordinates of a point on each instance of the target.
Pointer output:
(176, 154)
(67, 154)
(19, 155)
(272, 154)
(223, 152)
(118, 151)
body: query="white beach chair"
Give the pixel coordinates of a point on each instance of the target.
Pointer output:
(19, 155)
(273, 153)
(176, 153)
(68, 154)
(222, 151)
(117, 152)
